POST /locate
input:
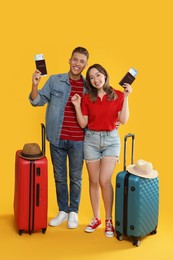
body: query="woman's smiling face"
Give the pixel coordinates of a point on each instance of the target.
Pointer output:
(97, 79)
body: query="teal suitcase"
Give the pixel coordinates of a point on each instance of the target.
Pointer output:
(137, 203)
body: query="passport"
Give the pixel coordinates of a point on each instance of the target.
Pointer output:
(129, 77)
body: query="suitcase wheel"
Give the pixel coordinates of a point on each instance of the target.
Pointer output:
(120, 237)
(154, 232)
(43, 230)
(20, 232)
(136, 243)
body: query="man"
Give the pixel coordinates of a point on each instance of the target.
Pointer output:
(63, 133)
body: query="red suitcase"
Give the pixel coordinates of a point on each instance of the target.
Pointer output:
(31, 192)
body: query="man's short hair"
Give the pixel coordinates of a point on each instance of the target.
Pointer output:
(81, 50)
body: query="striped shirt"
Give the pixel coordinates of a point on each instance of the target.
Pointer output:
(70, 128)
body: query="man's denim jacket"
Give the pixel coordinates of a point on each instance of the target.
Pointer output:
(55, 92)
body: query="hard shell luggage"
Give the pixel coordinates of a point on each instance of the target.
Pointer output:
(31, 192)
(137, 203)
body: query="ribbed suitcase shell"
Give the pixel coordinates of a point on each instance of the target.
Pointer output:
(30, 194)
(137, 201)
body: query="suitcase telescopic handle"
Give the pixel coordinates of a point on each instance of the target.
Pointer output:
(43, 137)
(125, 146)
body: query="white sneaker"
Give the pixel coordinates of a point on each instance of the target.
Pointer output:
(59, 219)
(73, 220)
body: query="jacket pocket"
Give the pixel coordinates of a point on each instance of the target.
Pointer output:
(56, 97)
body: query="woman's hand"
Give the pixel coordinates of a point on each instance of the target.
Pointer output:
(76, 100)
(127, 89)
(82, 120)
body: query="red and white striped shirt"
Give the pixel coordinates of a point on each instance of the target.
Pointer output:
(70, 128)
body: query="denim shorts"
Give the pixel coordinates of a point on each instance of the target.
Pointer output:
(98, 144)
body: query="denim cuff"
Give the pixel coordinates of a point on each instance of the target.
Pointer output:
(35, 101)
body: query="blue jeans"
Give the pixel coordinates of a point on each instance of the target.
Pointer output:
(73, 150)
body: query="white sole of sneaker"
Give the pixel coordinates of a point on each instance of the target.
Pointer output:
(91, 230)
(109, 235)
(57, 224)
(71, 227)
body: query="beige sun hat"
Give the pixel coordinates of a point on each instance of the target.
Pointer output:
(143, 169)
(31, 151)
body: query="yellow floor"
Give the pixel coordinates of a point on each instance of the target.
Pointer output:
(63, 243)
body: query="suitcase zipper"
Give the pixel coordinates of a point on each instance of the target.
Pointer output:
(125, 207)
(31, 197)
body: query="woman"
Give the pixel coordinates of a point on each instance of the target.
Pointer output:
(101, 108)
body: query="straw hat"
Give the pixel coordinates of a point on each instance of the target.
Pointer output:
(31, 151)
(143, 169)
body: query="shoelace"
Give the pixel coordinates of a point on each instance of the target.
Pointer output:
(93, 222)
(109, 226)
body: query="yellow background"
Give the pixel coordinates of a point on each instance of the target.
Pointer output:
(118, 34)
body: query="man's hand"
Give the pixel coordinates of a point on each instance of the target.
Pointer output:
(118, 124)
(36, 78)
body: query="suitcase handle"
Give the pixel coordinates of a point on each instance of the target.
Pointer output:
(125, 146)
(43, 138)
